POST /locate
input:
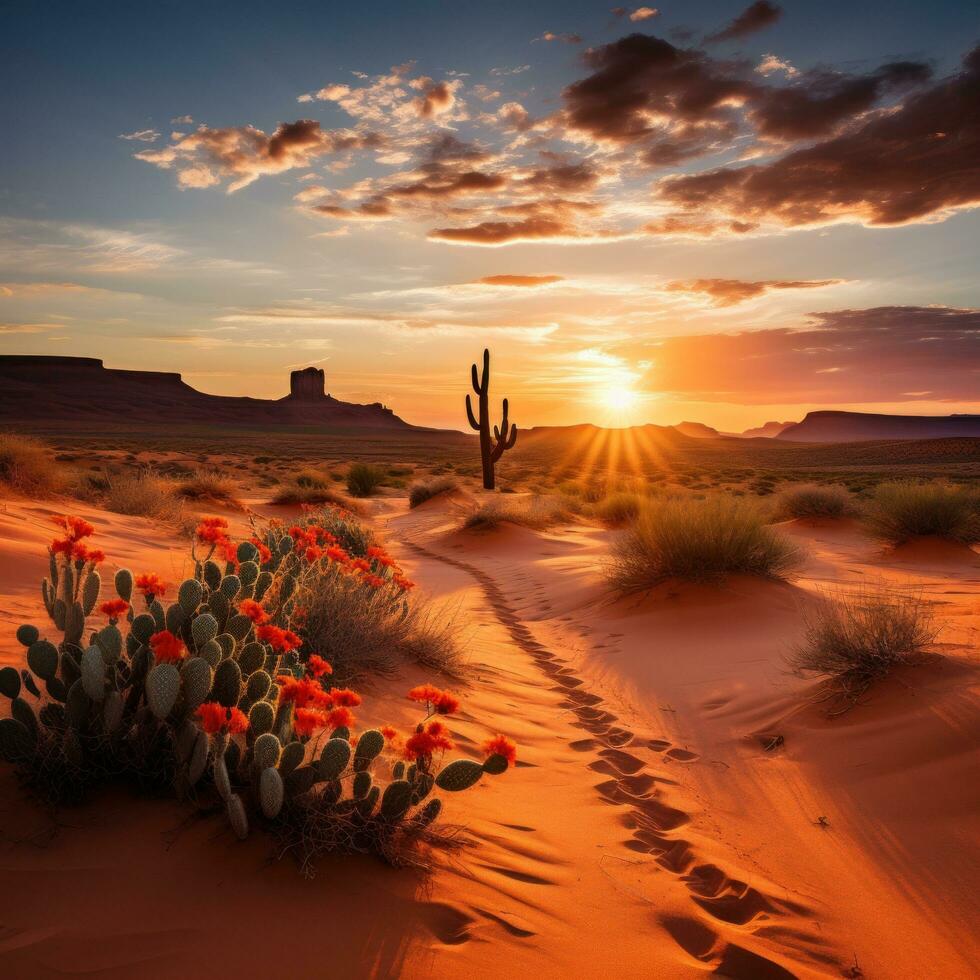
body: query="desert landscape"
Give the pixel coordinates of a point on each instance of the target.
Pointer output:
(519, 519)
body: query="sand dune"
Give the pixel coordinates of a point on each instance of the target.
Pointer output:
(646, 830)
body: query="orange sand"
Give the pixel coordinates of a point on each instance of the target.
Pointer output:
(644, 832)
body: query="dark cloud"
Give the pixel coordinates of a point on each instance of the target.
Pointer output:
(563, 178)
(756, 17)
(890, 353)
(640, 77)
(728, 292)
(816, 103)
(914, 162)
(552, 218)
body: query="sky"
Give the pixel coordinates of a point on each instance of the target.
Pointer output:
(725, 212)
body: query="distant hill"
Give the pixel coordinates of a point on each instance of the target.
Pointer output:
(770, 430)
(71, 391)
(697, 430)
(861, 427)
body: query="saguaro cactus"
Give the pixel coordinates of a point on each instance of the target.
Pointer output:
(492, 446)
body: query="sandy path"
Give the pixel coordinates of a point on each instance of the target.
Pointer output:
(701, 670)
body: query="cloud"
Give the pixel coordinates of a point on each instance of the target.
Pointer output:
(242, 154)
(437, 98)
(915, 163)
(527, 282)
(728, 292)
(548, 219)
(756, 17)
(770, 64)
(566, 38)
(22, 328)
(845, 356)
(182, 121)
(643, 13)
(141, 136)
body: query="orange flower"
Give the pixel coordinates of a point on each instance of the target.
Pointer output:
(501, 745)
(436, 700)
(307, 720)
(254, 611)
(344, 697)
(211, 530)
(215, 717)
(114, 608)
(313, 554)
(390, 734)
(167, 648)
(336, 553)
(150, 585)
(446, 703)
(264, 553)
(403, 583)
(317, 666)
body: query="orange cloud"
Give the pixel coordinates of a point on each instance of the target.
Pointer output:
(521, 281)
(728, 292)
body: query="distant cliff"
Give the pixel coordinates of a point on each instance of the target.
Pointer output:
(861, 427)
(81, 389)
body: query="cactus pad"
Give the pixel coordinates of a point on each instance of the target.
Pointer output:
(458, 775)
(162, 689)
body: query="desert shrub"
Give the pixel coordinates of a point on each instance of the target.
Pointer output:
(532, 512)
(292, 493)
(221, 695)
(855, 639)
(620, 507)
(311, 479)
(141, 494)
(356, 607)
(900, 510)
(815, 500)
(425, 490)
(700, 541)
(211, 485)
(363, 479)
(26, 466)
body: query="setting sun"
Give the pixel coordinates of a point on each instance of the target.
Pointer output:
(618, 399)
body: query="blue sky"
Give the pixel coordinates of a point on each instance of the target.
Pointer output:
(159, 262)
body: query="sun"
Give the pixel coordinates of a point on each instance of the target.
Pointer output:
(620, 398)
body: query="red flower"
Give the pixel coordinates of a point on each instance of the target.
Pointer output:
(215, 717)
(403, 583)
(313, 554)
(264, 553)
(390, 734)
(61, 547)
(302, 693)
(336, 553)
(361, 565)
(211, 530)
(75, 527)
(374, 581)
(167, 648)
(317, 666)
(254, 611)
(426, 740)
(150, 585)
(341, 718)
(114, 608)
(344, 697)
(96, 556)
(446, 703)
(280, 639)
(80, 552)
(425, 694)
(307, 720)
(501, 745)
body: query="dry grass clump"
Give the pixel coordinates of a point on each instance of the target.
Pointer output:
(856, 639)
(700, 541)
(209, 485)
(425, 490)
(363, 479)
(295, 493)
(533, 512)
(142, 494)
(904, 509)
(27, 466)
(620, 507)
(815, 500)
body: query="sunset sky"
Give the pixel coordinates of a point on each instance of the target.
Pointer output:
(701, 211)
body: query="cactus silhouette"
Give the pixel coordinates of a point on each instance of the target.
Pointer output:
(492, 445)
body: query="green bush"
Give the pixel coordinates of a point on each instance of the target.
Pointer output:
(700, 541)
(902, 509)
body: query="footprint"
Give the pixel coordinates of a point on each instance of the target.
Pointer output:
(658, 744)
(693, 936)
(681, 755)
(624, 762)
